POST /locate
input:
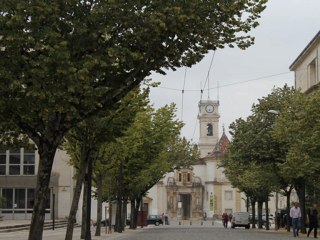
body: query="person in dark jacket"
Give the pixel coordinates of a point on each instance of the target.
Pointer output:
(225, 219)
(312, 215)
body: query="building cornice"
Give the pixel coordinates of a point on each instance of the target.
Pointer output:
(304, 52)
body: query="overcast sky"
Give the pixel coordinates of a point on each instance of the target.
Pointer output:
(286, 27)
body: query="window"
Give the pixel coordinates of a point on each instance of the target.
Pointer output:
(3, 162)
(7, 194)
(189, 177)
(312, 72)
(28, 162)
(228, 210)
(20, 198)
(180, 177)
(228, 195)
(17, 162)
(209, 129)
(14, 162)
(30, 198)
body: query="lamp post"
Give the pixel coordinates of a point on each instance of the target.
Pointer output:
(275, 112)
(53, 208)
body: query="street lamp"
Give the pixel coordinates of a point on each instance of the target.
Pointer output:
(277, 113)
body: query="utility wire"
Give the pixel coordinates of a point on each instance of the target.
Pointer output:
(182, 92)
(228, 84)
(208, 74)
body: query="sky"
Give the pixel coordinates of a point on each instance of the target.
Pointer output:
(286, 27)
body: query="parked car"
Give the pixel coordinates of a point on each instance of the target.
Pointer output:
(240, 219)
(103, 222)
(154, 220)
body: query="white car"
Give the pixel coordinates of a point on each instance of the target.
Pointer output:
(240, 219)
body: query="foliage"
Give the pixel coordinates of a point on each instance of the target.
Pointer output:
(151, 148)
(255, 158)
(297, 128)
(65, 61)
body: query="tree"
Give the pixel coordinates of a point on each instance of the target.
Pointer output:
(65, 61)
(296, 127)
(254, 143)
(84, 143)
(150, 148)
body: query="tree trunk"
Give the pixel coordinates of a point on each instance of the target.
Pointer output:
(110, 216)
(288, 210)
(301, 190)
(137, 206)
(124, 214)
(267, 214)
(253, 206)
(84, 210)
(118, 226)
(132, 218)
(89, 180)
(99, 205)
(260, 205)
(75, 201)
(47, 152)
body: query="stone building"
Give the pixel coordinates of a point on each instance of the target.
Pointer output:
(189, 193)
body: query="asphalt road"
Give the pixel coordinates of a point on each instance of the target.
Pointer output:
(198, 233)
(173, 232)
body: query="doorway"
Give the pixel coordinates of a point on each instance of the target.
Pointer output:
(186, 206)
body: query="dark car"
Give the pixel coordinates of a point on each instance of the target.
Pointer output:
(154, 220)
(103, 222)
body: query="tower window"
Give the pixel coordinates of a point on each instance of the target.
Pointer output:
(209, 129)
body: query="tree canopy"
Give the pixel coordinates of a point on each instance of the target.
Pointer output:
(65, 61)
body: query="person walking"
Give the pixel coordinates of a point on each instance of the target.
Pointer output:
(295, 214)
(312, 216)
(204, 216)
(230, 217)
(225, 219)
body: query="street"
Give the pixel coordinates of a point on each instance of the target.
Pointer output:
(173, 232)
(191, 233)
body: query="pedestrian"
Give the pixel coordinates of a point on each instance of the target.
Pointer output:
(295, 214)
(230, 218)
(166, 219)
(312, 216)
(225, 219)
(204, 216)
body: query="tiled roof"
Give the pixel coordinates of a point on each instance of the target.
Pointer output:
(221, 147)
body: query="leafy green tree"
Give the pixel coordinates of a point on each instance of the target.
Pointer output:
(297, 128)
(150, 149)
(84, 142)
(65, 61)
(254, 146)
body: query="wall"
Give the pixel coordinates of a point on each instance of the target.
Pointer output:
(302, 72)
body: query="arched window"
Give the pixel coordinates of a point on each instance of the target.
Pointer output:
(209, 129)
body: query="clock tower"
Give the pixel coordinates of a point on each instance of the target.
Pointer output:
(209, 126)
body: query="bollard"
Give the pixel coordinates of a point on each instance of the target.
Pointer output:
(190, 223)
(179, 222)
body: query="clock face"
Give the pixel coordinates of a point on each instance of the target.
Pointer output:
(209, 108)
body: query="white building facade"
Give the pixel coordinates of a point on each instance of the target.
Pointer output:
(188, 194)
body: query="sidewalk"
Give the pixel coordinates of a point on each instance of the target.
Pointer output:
(59, 234)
